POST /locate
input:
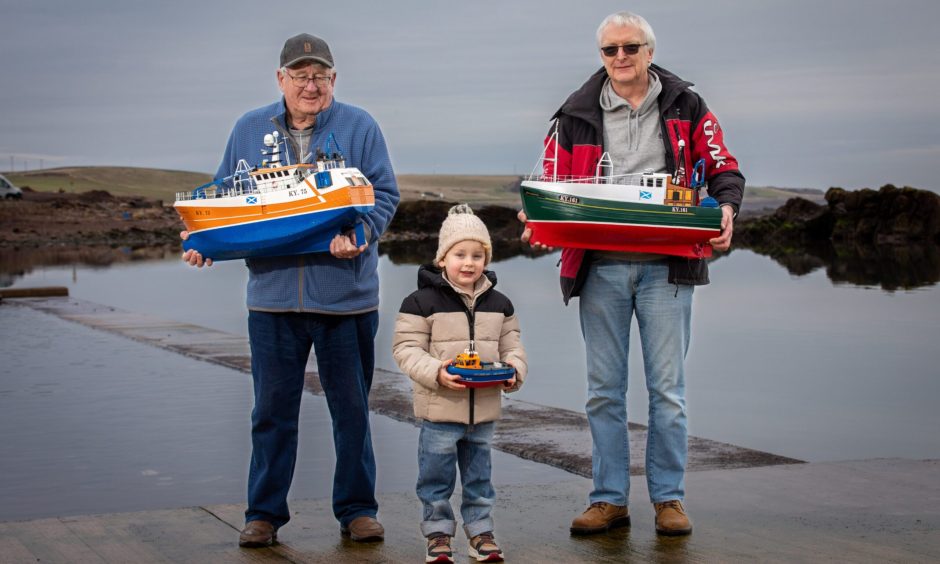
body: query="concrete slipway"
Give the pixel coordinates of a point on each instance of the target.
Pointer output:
(746, 505)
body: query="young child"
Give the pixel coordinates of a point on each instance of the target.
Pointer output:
(455, 304)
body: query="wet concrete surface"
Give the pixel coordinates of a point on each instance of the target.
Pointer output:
(94, 422)
(884, 510)
(549, 435)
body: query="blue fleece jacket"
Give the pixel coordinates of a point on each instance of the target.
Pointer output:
(319, 282)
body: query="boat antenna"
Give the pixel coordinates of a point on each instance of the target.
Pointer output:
(273, 142)
(678, 178)
(330, 140)
(336, 157)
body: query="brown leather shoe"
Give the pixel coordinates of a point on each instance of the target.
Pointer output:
(600, 517)
(671, 519)
(364, 529)
(257, 534)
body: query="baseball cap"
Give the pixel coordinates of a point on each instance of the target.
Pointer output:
(305, 47)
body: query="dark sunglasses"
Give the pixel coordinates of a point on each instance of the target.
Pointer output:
(630, 49)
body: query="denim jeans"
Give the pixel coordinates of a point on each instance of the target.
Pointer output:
(613, 293)
(442, 448)
(280, 346)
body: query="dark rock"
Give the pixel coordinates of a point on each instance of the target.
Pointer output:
(887, 237)
(412, 236)
(95, 196)
(887, 216)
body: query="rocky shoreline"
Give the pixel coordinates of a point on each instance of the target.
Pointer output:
(891, 234)
(888, 238)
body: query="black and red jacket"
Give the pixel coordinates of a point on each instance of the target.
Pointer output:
(683, 115)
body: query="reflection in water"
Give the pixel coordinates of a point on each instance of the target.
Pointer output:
(16, 263)
(892, 267)
(791, 365)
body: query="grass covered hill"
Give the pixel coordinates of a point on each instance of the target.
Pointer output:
(163, 184)
(119, 181)
(502, 190)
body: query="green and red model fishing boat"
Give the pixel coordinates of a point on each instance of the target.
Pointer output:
(644, 212)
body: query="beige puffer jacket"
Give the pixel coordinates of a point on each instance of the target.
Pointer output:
(433, 327)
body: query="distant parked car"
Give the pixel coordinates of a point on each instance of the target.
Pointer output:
(8, 190)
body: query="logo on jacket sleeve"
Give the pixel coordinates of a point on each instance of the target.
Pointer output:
(710, 128)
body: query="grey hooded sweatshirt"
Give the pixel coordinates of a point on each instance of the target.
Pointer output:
(633, 137)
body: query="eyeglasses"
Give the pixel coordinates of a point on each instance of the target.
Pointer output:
(301, 81)
(629, 49)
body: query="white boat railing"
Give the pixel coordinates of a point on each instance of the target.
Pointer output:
(605, 164)
(630, 179)
(220, 191)
(242, 186)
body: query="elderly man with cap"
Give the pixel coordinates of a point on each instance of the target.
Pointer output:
(328, 301)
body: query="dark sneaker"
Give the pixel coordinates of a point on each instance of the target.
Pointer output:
(671, 519)
(364, 529)
(483, 547)
(439, 549)
(257, 534)
(600, 517)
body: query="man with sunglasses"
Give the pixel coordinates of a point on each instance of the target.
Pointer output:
(328, 301)
(645, 118)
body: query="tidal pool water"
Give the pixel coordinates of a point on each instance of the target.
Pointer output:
(795, 365)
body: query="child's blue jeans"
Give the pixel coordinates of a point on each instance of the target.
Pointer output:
(442, 449)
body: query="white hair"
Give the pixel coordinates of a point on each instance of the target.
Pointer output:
(621, 19)
(327, 70)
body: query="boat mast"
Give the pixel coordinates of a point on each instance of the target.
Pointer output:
(604, 162)
(554, 159)
(544, 161)
(274, 150)
(678, 177)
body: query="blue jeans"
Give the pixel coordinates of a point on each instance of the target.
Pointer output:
(280, 346)
(442, 448)
(613, 293)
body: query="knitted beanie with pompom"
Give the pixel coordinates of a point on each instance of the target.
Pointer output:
(461, 224)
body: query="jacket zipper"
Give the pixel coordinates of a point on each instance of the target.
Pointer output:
(471, 318)
(300, 283)
(300, 260)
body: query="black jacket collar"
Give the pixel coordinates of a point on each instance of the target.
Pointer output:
(584, 103)
(430, 276)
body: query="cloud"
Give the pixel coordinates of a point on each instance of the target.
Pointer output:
(797, 85)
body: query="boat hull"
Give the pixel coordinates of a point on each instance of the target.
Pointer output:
(285, 235)
(293, 221)
(563, 215)
(482, 377)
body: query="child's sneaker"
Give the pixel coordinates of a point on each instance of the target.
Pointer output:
(439, 549)
(483, 547)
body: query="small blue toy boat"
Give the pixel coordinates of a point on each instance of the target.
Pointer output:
(476, 374)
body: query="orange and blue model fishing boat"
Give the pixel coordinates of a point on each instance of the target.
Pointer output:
(643, 212)
(277, 208)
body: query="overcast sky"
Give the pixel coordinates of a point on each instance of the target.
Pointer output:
(810, 94)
